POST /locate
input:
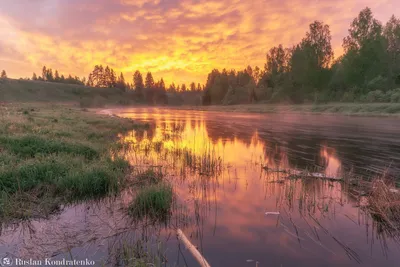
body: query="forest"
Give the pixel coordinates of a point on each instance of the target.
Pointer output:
(368, 71)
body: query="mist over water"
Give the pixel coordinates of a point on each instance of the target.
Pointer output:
(226, 202)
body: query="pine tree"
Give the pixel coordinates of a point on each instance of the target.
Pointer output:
(121, 82)
(107, 77)
(172, 88)
(149, 83)
(34, 77)
(192, 87)
(90, 80)
(113, 79)
(162, 85)
(49, 75)
(150, 88)
(198, 87)
(138, 83)
(56, 76)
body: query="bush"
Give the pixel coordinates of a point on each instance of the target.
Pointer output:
(376, 96)
(378, 82)
(394, 95)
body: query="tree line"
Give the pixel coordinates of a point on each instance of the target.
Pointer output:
(49, 76)
(146, 89)
(369, 69)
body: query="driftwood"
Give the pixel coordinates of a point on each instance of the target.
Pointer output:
(192, 249)
(315, 176)
(297, 174)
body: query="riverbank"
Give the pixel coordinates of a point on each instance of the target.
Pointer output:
(56, 154)
(353, 109)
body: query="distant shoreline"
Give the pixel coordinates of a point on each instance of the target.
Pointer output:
(348, 109)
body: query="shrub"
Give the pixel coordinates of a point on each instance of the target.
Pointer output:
(376, 96)
(394, 95)
(378, 82)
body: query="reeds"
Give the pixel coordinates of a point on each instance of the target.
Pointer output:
(153, 202)
(384, 203)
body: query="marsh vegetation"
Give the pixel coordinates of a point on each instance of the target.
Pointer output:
(52, 154)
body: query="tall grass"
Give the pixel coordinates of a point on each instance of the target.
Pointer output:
(153, 202)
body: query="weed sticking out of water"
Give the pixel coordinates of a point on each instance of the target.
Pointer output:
(207, 163)
(153, 202)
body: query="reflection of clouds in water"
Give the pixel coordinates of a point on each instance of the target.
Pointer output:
(223, 213)
(234, 143)
(331, 161)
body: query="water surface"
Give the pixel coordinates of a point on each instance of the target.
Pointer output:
(214, 161)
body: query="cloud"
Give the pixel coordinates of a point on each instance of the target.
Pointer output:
(178, 40)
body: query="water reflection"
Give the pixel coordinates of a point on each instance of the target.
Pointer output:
(236, 145)
(223, 196)
(318, 222)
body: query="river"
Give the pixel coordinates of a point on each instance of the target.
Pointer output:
(233, 200)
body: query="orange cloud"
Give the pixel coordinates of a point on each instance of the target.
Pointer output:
(180, 41)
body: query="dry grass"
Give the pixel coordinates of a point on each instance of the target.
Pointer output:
(384, 203)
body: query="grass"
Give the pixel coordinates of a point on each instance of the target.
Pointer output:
(39, 91)
(53, 154)
(30, 145)
(153, 202)
(384, 204)
(207, 163)
(138, 253)
(360, 109)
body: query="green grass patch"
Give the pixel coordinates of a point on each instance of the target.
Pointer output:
(57, 154)
(153, 202)
(30, 146)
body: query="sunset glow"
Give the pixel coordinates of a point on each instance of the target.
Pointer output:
(180, 41)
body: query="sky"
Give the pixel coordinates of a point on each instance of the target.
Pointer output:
(181, 41)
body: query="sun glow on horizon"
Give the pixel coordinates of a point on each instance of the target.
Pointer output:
(179, 41)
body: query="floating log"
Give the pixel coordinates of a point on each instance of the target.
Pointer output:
(192, 249)
(315, 176)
